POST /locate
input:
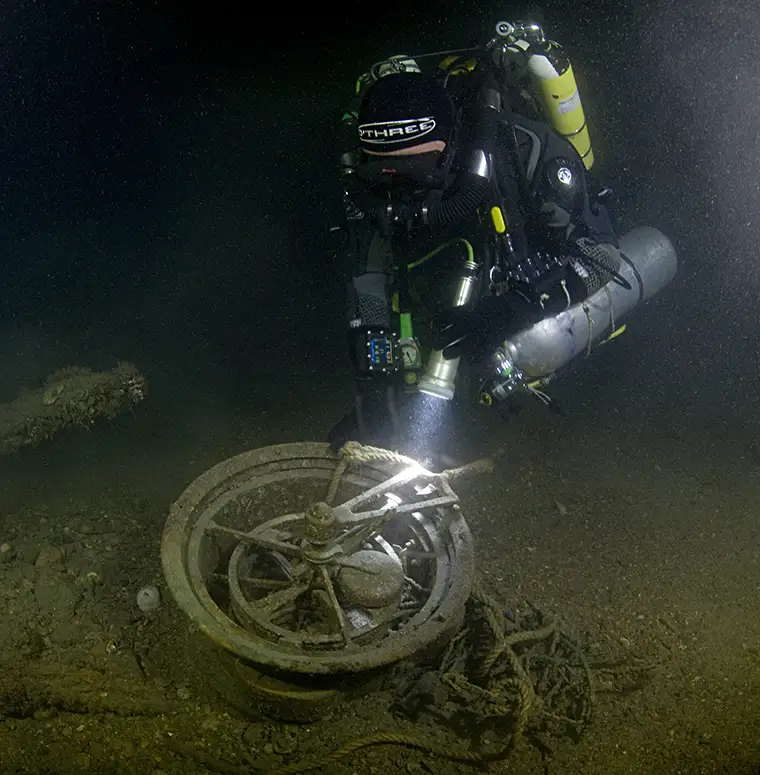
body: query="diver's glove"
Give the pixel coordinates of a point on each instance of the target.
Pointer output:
(374, 419)
(474, 334)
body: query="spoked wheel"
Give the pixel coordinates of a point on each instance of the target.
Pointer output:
(292, 565)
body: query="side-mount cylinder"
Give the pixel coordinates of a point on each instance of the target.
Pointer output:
(648, 264)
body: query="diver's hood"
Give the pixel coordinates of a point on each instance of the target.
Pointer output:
(435, 188)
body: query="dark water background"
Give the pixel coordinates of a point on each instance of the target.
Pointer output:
(167, 178)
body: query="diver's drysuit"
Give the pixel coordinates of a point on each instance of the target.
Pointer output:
(508, 185)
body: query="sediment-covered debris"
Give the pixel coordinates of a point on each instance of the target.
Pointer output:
(73, 396)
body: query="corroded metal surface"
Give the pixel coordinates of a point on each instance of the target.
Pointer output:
(255, 560)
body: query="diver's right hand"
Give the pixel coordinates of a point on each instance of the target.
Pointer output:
(346, 429)
(373, 420)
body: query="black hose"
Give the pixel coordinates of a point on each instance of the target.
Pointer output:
(462, 202)
(636, 274)
(374, 207)
(459, 205)
(617, 278)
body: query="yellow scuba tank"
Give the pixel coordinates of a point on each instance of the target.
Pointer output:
(553, 78)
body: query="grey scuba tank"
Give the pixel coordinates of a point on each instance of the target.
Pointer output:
(648, 264)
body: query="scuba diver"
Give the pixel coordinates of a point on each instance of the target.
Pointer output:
(482, 163)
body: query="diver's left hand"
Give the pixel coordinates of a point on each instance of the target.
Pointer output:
(473, 334)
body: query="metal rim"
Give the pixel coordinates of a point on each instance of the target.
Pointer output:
(191, 523)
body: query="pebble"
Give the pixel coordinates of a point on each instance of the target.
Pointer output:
(6, 552)
(209, 724)
(148, 598)
(253, 735)
(285, 743)
(48, 557)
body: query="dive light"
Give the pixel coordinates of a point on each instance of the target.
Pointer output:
(441, 372)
